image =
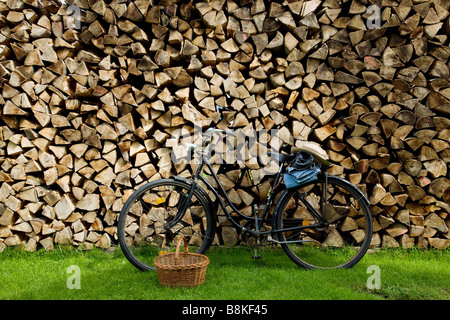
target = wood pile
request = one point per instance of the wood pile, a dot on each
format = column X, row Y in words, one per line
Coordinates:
column 95, row 95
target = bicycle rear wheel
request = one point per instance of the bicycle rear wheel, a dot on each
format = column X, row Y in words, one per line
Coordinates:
column 145, row 229
column 338, row 243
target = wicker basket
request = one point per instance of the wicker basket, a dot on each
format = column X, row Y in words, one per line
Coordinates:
column 181, row 270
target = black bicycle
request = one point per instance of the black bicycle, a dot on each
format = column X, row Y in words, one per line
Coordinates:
column 325, row 223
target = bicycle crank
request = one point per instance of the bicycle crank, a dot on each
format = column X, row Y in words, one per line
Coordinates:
column 250, row 239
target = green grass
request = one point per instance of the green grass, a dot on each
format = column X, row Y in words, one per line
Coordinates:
column 232, row 275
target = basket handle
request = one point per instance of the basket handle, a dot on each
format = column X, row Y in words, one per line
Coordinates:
column 177, row 252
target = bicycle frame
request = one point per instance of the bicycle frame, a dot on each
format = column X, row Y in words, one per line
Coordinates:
column 222, row 193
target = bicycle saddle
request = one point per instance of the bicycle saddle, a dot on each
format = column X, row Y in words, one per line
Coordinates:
column 302, row 160
column 280, row 157
column 325, row 163
column 319, row 154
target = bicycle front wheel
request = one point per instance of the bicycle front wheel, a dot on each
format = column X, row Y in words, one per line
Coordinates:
column 327, row 224
column 148, row 223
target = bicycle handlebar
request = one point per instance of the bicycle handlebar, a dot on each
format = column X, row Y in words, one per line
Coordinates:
column 208, row 137
column 281, row 157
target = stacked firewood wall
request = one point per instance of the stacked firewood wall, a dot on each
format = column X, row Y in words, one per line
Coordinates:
column 95, row 93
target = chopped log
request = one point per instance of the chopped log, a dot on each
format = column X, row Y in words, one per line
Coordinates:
column 89, row 113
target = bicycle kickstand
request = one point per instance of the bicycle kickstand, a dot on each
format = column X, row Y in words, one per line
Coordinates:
column 256, row 256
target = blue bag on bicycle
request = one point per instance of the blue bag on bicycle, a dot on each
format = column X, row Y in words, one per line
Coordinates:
column 302, row 170
column 293, row 177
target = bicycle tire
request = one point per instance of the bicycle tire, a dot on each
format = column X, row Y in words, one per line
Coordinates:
column 338, row 245
column 140, row 244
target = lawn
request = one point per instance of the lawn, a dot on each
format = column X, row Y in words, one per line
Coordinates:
column 232, row 275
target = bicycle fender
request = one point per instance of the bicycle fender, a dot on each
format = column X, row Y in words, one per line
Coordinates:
column 277, row 207
column 202, row 192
